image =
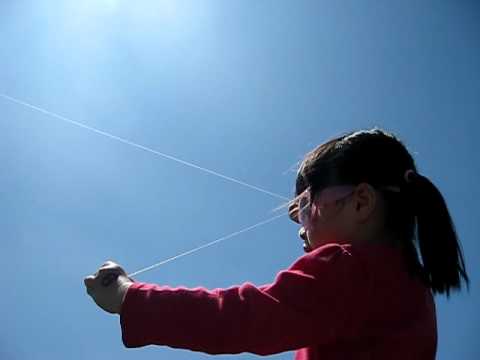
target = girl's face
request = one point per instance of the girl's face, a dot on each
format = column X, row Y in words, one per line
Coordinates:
column 324, row 218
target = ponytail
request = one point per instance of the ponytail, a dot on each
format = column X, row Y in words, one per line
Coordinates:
column 443, row 263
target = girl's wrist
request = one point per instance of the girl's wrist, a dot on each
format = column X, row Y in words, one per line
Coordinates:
column 123, row 289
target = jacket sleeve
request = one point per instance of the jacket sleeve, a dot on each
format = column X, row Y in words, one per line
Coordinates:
column 309, row 303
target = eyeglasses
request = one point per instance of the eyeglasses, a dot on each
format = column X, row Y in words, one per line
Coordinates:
column 304, row 202
column 300, row 210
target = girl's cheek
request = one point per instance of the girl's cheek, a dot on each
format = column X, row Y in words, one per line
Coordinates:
column 319, row 229
column 321, row 232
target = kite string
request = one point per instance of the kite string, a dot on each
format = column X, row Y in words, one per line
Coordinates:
column 131, row 143
column 186, row 163
column 223, row 238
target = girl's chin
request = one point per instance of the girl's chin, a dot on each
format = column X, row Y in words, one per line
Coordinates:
column 306, row 247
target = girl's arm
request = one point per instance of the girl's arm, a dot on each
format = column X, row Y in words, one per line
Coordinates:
column 313, row 302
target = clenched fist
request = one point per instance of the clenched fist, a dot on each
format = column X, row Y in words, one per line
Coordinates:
column 108, row 286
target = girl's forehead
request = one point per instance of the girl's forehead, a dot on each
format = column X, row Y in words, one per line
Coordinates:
column 300, row 184
column 321, row 180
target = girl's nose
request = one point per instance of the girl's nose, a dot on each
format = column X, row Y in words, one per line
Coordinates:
column 293, row 212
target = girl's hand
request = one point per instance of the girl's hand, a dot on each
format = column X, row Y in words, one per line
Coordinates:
column 108, row 286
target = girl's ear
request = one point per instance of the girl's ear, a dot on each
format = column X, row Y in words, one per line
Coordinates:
column 365, row 201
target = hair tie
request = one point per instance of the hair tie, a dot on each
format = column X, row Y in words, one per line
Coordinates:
column 409, row 175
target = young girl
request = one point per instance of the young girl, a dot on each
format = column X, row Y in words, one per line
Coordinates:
column 360, row 292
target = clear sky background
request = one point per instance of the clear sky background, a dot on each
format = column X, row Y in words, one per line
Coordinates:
column 244, row 88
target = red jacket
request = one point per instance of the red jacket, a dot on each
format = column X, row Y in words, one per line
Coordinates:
column 337, row 302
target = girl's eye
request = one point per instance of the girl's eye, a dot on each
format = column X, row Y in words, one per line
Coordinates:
column 303, row 207
column 302, row 203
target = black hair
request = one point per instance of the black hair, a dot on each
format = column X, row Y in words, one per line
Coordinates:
column 416, row 216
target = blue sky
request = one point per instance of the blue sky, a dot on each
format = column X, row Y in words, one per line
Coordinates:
column 244, row 88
